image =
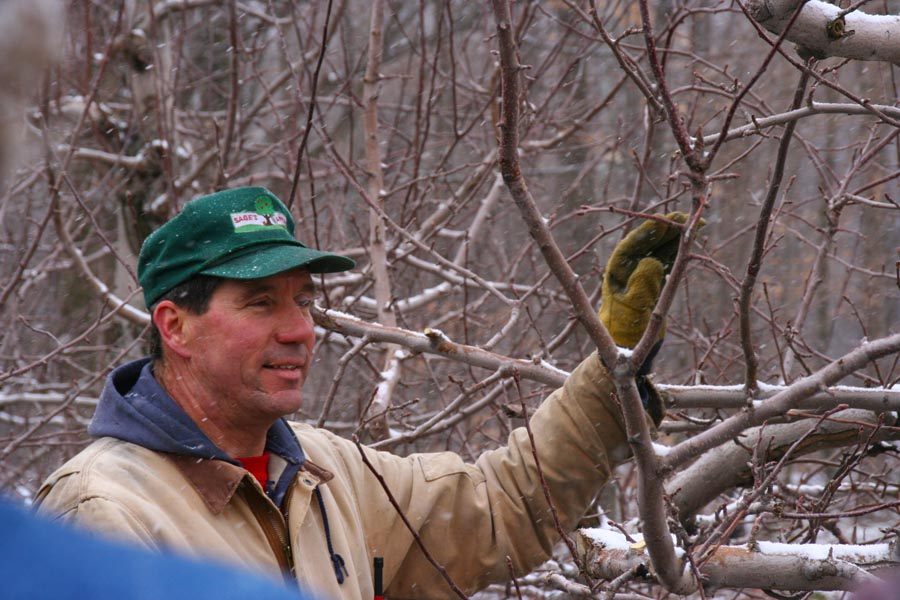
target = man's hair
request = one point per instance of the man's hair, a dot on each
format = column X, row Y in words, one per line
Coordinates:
column 192, row 295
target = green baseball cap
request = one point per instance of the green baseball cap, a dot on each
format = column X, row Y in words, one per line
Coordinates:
column 241, row 233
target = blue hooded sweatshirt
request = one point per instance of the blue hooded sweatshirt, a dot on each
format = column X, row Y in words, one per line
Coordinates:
column 133, row 407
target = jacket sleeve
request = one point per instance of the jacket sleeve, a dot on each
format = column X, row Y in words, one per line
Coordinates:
column 471, row 517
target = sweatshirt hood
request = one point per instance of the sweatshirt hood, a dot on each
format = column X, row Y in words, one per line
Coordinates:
column 133, row 407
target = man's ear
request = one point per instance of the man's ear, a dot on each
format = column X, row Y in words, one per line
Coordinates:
column 172, row 322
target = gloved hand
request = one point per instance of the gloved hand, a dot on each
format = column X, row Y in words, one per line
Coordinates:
column 634, row 278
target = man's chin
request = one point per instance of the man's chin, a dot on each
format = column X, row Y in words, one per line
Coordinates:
column 286, row 402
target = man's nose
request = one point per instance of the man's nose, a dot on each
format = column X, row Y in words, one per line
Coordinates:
column 296, row 326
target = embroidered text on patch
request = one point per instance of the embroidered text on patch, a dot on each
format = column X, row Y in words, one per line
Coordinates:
column 248, row 221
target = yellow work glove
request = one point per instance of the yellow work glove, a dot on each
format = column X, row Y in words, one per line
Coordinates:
column 634, row 278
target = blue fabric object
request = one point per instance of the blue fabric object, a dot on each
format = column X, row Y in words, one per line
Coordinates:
column 43, row 560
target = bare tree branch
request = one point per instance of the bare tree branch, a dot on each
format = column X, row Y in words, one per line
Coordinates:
column 825, row 30
column 781, row 402
column 767, row 565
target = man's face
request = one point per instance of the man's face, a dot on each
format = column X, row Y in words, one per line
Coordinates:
column 251, row 350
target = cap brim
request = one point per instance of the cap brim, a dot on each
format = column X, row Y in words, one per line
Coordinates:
column 270, row 259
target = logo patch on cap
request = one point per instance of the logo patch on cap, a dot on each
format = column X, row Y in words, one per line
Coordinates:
column 265, row 216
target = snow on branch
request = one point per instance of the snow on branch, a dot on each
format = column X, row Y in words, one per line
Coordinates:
column 796, row 567
column 825, row 30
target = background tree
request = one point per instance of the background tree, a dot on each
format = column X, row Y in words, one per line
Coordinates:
column 480, row 161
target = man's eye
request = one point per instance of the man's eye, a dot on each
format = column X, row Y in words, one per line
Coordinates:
column 260, row 302
column 306, row 302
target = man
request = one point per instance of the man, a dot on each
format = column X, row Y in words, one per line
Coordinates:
column 193, row 452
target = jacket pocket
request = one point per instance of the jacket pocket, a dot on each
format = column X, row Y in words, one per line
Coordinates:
column 445, row 464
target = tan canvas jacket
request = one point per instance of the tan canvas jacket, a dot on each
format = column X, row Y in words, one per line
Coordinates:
column 470, row 516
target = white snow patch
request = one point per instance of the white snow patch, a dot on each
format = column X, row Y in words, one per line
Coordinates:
column 611, row 540
column 391, row 372
column 625, row 352
column 544, row 364
column 855, row 553
column 433, row 332
column 184, row 151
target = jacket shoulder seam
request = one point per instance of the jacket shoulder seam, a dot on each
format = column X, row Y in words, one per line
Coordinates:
column 146, row 533
column 87, row 469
